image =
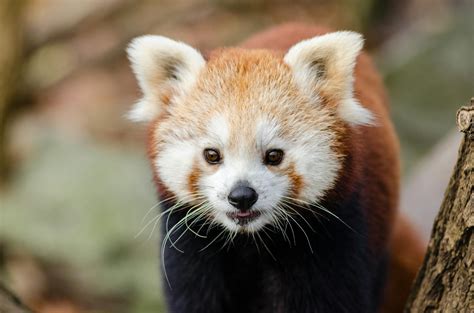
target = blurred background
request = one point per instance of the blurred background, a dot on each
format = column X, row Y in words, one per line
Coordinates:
column 75, row 185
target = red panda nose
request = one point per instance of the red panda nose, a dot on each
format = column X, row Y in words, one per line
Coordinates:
column 243, row 197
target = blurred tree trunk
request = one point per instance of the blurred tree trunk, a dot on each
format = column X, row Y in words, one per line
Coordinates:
column 9, row 303
column 445, row 282
column 11, row 43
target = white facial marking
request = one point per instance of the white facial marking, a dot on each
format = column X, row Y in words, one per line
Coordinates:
column 174, row 164
column 268, row 135
column 218, row 130
column 317, row 164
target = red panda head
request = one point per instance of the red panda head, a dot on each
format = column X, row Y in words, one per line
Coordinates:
column 243, row 136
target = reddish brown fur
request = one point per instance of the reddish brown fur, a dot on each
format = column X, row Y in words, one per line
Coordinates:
column 296, row 181
column 407, row 255
column 374, row 150
column 370, row 92
column 193, row 180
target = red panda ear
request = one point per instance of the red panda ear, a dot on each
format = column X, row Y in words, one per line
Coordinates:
column 165, row 69
column 323, row 66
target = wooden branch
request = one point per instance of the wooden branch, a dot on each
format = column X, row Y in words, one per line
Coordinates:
column 445, row 282
column 465, row 119
column 9, row 303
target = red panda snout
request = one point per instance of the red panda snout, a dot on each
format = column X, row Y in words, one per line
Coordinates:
column 242, row 197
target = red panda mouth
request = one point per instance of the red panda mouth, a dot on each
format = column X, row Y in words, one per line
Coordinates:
column 243, row 218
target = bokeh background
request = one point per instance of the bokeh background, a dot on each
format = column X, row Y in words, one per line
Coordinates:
column 75, row 184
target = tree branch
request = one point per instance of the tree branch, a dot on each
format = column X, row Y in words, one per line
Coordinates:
column 445, row 282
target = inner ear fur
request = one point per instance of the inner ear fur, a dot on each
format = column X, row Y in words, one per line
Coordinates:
column 165, row 69
column 323, row 68
column 318, row 67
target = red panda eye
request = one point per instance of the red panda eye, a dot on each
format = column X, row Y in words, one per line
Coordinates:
column 273, row 157
column 212, row 156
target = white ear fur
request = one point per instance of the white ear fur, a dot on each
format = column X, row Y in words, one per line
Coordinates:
column 163, row 68
column 326, row 64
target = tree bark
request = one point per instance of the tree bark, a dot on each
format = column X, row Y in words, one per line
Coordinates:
column 445, row 282
column 9, row 303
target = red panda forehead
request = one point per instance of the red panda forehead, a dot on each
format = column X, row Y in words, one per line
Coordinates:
column 243, row 82
column 246, row 88
column 254, row 85
column 235, row 69
column 245, row 60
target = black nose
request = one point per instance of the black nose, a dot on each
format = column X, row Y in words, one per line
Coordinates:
column 243, row 197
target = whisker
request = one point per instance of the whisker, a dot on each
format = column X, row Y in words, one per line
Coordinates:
column 304, row 233
column 157, row 204
column 170, row 212
column 335, row 216
column 285, row 214
column 299, row 214
column 178, row 206
column 266, row 247
column 280, row 225
column 210, row 243
column 229, row 239
column 156, row 218
column 319, row 206
column 193, row 211
column 149, row 211
column 182, row 222
column 204, row 209
column 256, row 242
column 153, row 229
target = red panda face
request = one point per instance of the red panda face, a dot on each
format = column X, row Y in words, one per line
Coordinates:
column 245, row 136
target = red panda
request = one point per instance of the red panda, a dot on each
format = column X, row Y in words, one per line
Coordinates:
column 278, row 170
